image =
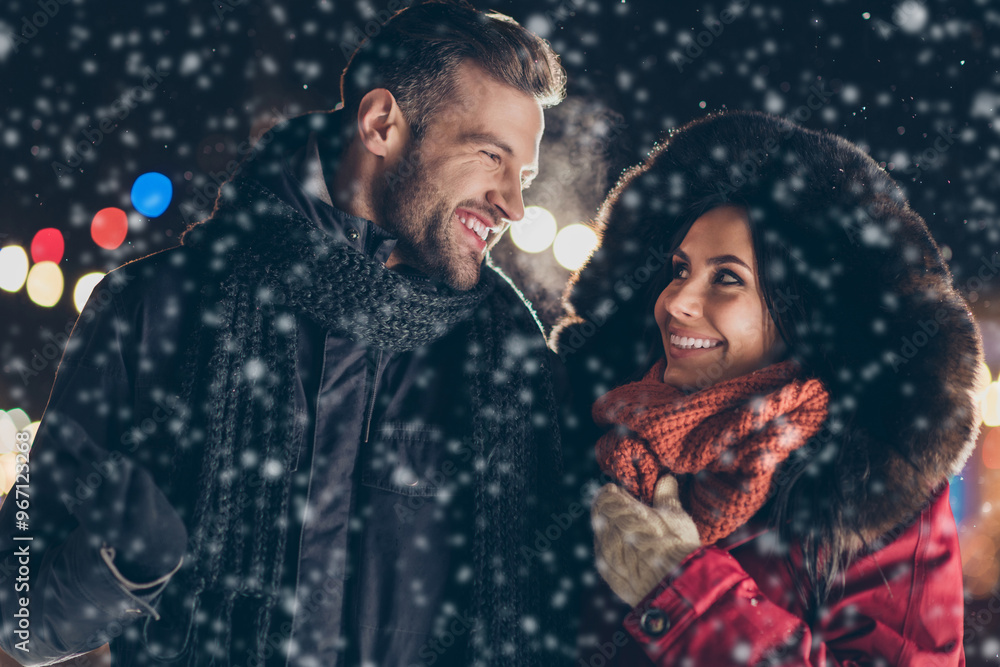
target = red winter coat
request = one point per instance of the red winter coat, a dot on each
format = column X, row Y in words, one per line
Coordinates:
column 736, row 604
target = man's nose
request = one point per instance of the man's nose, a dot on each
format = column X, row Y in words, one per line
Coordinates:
column 507, row 197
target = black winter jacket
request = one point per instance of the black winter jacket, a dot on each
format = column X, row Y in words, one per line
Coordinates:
column 379, row 563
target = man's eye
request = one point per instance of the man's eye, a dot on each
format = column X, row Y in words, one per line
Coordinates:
column 492, row 156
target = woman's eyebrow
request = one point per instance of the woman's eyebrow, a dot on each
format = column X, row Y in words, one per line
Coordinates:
column 728, row 259
column 721, row 259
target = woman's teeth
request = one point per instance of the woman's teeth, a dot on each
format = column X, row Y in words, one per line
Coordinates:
column 686, row 343
column 476, row 226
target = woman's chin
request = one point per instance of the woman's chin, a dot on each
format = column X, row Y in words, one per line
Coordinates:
column 685, row 382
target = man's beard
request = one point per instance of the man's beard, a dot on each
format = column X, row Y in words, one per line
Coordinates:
column 413, row 210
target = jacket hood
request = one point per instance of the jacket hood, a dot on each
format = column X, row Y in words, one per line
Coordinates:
column 883, row 327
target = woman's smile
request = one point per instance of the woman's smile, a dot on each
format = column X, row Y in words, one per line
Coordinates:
column 684, row 344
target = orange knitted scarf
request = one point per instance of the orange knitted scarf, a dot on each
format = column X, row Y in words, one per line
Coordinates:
column 730, row 438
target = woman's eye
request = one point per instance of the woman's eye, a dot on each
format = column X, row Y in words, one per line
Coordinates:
column 680, row 271
column 727, row 278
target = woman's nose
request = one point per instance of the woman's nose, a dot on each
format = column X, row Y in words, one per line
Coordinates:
column 685, row 302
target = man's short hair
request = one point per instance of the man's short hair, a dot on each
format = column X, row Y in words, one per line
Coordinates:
column 416, row 53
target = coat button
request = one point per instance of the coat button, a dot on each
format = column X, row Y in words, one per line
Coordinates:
column 353, row 234
column 654, row 622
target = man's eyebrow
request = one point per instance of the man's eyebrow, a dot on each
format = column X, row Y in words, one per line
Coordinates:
column 721, row 259
column 488, row 138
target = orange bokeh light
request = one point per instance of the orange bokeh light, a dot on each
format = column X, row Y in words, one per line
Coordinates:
column 991, row 449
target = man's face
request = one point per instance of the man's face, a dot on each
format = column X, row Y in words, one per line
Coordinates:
column 451, row 195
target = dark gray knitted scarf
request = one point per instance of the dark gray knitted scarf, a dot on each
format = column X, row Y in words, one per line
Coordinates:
column 264, row 263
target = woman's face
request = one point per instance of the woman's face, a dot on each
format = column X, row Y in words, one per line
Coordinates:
column 712, row 316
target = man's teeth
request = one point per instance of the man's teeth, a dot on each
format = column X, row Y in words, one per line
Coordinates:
column 686, row 343
column 476, row 226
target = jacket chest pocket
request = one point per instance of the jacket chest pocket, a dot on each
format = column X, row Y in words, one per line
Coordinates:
column 411, row 460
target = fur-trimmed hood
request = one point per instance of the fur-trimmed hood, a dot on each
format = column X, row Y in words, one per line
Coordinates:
column 891, row 339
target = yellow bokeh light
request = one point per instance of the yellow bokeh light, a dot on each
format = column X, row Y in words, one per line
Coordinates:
column 12, row 422
column 991, row 405
column 536, row 231
column 13, row 268
column 982, row 385
column 84, row 286
column 32, row 430
column 8, row 466
column 45, row 284
column 8, row 433
column 573, row 245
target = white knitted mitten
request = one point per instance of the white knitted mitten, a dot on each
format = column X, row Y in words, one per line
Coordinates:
column 637, row 545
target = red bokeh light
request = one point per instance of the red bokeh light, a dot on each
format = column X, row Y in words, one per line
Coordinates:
column 109, row 227
column 47, row 246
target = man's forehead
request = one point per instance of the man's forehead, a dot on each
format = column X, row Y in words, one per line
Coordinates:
column 506, row 122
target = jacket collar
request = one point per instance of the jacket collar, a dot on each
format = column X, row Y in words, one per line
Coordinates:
column 301, row 183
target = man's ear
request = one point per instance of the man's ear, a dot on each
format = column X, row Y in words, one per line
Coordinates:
column 381, row 126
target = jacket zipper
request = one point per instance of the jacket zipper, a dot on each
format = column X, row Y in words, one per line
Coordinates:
column 371, row 398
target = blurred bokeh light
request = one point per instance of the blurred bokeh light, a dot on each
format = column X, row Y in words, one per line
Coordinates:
column 45, row 284
column 13, row 268
column 109, row 227
column 151, row 194
column 84, row 286
column 536, row 231
column 573, row 245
